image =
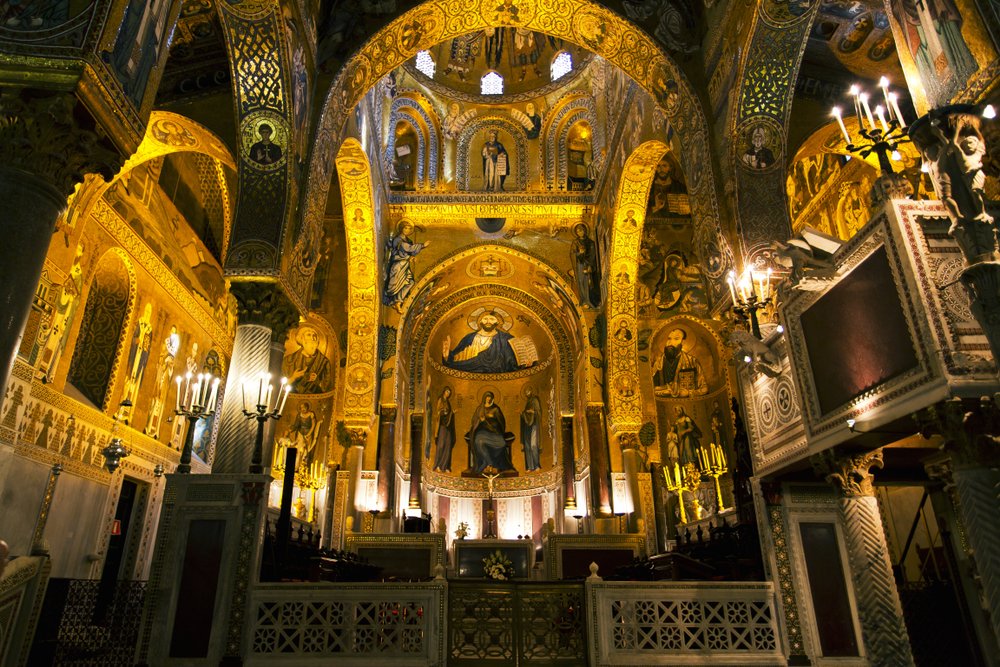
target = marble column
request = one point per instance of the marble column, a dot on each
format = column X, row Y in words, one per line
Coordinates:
column 416, row 460
column 600, row 463
column 386, row 456
column 880, row 612
column 632, row 461
column 265, row 316
column 568, row 463
column 971, row 431
column 44, row 153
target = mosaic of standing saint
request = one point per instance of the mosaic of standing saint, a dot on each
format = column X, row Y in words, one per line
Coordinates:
column 399, row 250
column 307, row 368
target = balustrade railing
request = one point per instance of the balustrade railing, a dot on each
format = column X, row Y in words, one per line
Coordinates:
column 374, row 624
column 677, row 623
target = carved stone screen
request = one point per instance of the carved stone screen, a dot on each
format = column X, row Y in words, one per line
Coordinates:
column 856, row 334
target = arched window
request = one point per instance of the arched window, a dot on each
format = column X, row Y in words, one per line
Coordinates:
column 425, row 64
column 104, row 320
column 562, row 64
column 491, row 83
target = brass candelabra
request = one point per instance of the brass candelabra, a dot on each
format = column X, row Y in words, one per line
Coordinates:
column 196, row 401
column 268, row 406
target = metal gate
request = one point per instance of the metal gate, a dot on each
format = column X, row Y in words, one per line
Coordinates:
column 516, row 624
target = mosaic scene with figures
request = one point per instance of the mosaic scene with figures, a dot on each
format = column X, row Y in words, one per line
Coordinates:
column 510, row 332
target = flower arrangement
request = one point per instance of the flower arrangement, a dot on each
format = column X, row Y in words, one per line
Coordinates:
column 497, row 566
column 462, row 531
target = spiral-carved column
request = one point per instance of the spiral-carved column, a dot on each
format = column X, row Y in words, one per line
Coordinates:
column 887, row 643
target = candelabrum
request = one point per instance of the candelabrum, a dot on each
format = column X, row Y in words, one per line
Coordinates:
column 196, row 401
column 883, row 137
column 750, row 294
column 714, row 465
column 311, row 477
column 268, row 406
column 681, row 479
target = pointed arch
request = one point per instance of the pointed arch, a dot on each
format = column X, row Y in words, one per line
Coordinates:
column 564, row 114
column 427, row 134
column 109, row 306
column 624, row 397
column 492, row 122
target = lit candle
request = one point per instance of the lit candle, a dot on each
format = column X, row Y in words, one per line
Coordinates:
column 750, row 284
column 840, row 122
column 187, row 387
column 770, row 272
column 195, row 393
column 856, row 92
column 893, row 104
column 270, row 389
column 215, row 394
column 260, row 390
column 731, row 279
column 243, row 391
column 285, row 391
column 178, row 393
column 880, row 112
column 677, row 472
column 883, row 83
column 868, row 110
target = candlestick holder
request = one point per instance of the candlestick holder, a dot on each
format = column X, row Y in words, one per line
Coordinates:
column 268, row 406
column 692, row 482
column 196, row 401
column 675, row 485
column 883, row 138
column 713, row 464
column 750, row 296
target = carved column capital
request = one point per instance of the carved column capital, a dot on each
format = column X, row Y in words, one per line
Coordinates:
column 264, row 303
column 970, row 428
column 357, row 437
column 628, row 440
column 46, row 135
column 849, row 473
column 387, row 413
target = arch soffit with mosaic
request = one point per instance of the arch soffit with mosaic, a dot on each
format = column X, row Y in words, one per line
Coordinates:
column 579, row 21
column 485, row 123
column 427, row 133
column 363, row 302
column 577, row 325
column 624, row 395
column 414, row 353
column 166, row 134
column 764, row 99
column 565, row 112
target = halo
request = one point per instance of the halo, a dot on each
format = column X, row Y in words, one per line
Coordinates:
column 506, row 321
column 487, row 388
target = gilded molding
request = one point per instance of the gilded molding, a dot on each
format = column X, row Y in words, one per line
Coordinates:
column 137, row 249
column 363, row 299
column 624, row 396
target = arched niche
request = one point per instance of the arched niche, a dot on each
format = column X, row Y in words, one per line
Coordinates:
column 470, row 158
column 564, row 115
column 520, row 369
column 414, row 112
column 110, row 300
